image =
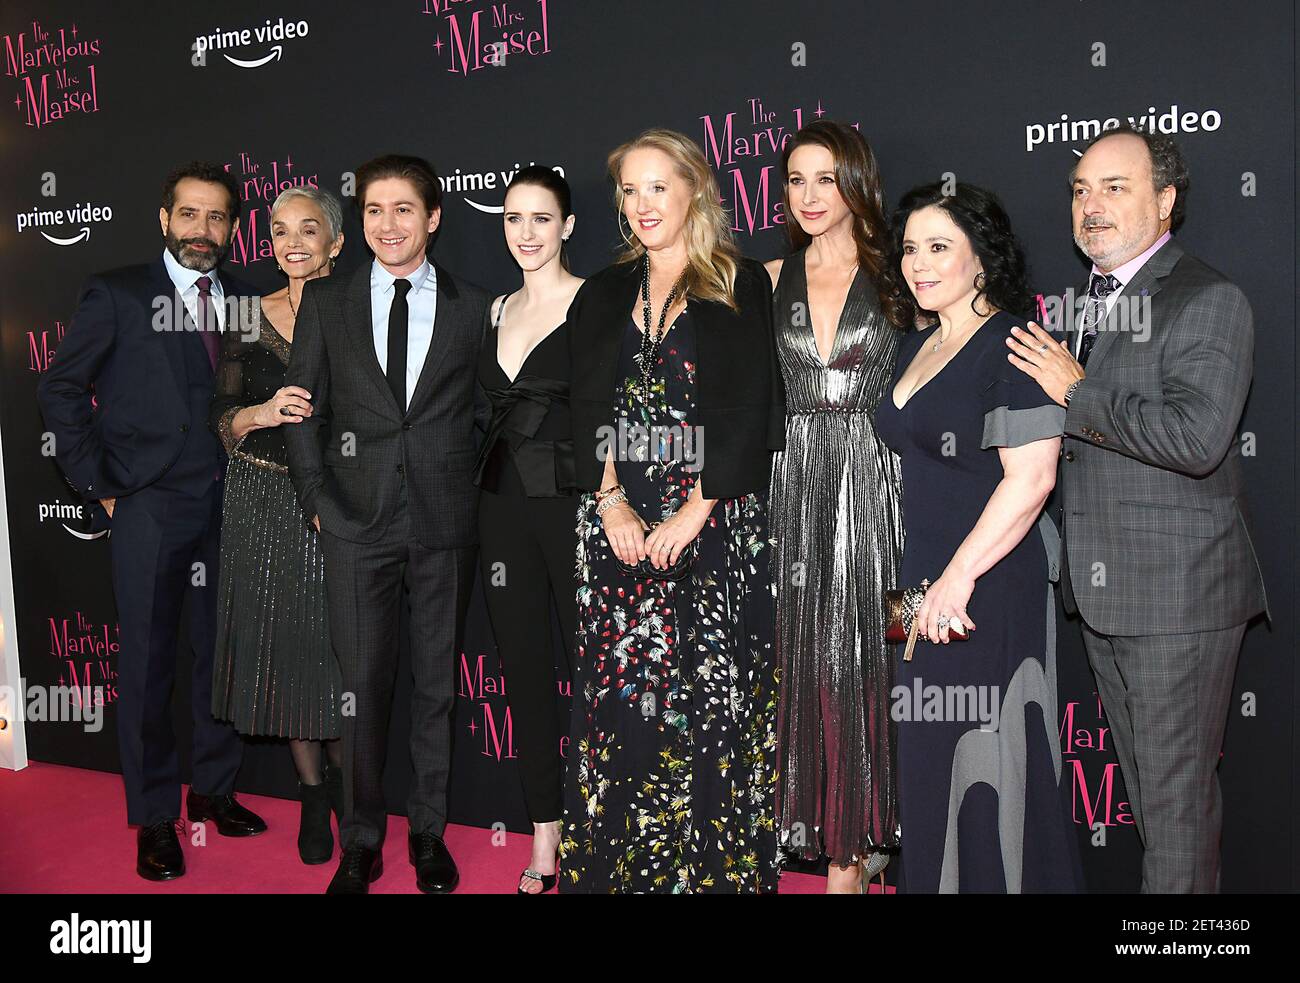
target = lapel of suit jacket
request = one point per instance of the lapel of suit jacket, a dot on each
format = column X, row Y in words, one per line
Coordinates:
column 613, row 311
column 1145, row 281
column 445, row 311
column 359, row 323
column 243, row 315
column 164, row 287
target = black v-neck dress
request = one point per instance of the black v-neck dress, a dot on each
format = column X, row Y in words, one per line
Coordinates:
column 527, row 540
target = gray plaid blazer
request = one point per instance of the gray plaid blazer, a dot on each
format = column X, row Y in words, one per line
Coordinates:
column 348, row 460
column 1156, row 532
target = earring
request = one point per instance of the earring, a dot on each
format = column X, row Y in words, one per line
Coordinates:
column 979, row 280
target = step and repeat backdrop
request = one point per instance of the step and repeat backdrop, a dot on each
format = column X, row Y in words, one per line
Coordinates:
column 100, row 101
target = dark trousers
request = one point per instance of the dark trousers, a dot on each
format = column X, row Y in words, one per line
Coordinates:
column 164, row 549
column 1166, row 700
column 527, row 549
column 364, row 584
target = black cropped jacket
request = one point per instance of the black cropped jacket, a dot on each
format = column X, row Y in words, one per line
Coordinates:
column 740, row 396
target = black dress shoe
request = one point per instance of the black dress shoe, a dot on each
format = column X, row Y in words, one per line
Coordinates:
column 358, row 868
column 158, row 854
column 231, row 818
column 435, row 871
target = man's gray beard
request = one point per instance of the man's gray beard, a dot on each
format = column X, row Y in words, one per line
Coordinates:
column 204, row 263
column 1125, row 251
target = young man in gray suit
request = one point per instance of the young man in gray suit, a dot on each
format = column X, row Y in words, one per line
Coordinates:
column 1157, row 556
column 383, row 462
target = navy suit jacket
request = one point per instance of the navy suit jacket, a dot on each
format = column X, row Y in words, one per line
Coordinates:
column 133, row 429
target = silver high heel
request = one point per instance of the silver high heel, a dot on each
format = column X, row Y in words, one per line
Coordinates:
column 875, row 867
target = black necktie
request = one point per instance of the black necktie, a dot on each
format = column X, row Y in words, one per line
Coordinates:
column 1100, row 286
column 398, row 316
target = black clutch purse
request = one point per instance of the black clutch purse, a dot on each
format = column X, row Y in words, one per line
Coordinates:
column 674, row 572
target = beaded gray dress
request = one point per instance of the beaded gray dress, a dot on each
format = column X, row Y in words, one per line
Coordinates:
column 836, row 518
column 275, row 674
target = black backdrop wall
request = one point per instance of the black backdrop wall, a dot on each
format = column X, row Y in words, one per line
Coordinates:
column 103, row 99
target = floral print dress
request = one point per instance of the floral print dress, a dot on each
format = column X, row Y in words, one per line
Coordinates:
column 671, row 784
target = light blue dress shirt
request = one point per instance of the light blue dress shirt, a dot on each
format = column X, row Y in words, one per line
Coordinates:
column 186, row 281
column 422, row 301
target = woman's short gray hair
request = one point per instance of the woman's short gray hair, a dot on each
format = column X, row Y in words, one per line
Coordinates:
column 324, row 200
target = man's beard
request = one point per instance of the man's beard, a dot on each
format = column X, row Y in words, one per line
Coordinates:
column 1117, row 253
column 193, row 259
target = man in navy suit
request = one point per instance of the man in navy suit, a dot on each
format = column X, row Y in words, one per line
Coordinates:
column 144, row 342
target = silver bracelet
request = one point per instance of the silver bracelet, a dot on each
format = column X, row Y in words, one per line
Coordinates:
column 609, row 501
column 1069, row 392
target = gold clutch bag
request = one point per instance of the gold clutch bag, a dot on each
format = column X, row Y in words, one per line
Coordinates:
column 901, row 606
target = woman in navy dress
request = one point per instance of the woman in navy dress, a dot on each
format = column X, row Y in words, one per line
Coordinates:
column 979, row 763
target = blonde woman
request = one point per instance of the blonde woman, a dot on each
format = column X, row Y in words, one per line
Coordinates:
column 677, row 404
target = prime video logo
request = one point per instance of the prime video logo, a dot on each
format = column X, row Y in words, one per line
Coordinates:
column 1066, row 130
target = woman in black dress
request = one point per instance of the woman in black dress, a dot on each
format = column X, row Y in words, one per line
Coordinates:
column 979, row 771
column 275, row 674
column 527, row 508
column 676, row 403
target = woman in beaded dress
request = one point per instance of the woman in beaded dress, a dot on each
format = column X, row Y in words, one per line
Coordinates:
column 275, row 674
column 835, row 513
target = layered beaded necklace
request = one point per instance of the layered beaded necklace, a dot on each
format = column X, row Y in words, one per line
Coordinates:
column 650, row 341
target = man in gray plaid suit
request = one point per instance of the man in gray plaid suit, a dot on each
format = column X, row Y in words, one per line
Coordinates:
column 1157, row 556
column 384, row 462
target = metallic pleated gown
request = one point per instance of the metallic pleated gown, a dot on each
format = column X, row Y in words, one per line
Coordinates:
column 836, row 519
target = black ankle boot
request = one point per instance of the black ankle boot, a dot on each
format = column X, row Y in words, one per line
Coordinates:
column 334, row 782
column 315, row 839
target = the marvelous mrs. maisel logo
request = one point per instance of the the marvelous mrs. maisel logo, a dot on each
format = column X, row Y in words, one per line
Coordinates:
column 745, row 149
column 475, row 34
column 54, row 71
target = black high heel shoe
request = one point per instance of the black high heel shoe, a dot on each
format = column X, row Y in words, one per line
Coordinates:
column 546, row 880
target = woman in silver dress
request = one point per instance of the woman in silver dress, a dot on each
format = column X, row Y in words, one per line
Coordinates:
column 835, row 512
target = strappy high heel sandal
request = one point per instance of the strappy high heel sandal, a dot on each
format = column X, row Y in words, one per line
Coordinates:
column 546, row 880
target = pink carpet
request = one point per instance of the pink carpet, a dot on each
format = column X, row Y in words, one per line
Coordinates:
column 63, row 831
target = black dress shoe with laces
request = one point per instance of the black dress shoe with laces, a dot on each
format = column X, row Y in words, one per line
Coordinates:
column 435, row 871
column 158, row 855
column 358, row 868
column 231, row 818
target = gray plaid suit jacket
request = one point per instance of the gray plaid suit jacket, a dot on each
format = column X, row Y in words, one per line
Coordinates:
column 1156, row 533
column 348, row 460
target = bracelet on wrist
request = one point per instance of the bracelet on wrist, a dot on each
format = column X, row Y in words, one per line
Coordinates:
column 609, row 501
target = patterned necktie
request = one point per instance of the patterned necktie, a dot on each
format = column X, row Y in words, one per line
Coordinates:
column 207, row 326
column 398, row 318
column 1100, row 286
